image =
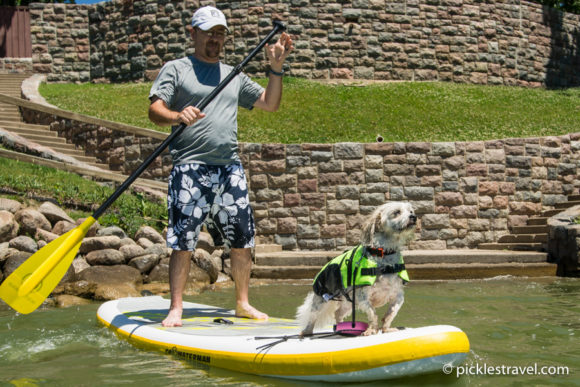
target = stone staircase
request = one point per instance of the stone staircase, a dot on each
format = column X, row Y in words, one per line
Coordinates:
column 534, row 235
column 11, row 120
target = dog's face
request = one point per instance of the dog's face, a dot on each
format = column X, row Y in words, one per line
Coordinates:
column 392, row 224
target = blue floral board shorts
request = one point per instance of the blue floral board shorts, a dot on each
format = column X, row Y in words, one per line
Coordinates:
column 214, row 194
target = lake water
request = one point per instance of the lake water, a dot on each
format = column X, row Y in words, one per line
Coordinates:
column 522, row 327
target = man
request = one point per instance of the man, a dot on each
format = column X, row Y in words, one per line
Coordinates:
column 207, row 181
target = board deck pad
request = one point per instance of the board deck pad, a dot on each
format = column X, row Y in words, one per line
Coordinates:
column 202, row 320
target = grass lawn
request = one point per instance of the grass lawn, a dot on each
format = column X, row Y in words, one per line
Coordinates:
column 315, row 112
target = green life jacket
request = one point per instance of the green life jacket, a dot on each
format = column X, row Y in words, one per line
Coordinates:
column 352, row 268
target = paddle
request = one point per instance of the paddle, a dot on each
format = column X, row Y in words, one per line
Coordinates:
column 31, row 283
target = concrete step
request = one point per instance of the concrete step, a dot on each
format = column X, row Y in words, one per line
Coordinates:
column 22, row 125
column 69, row 149
column 267, row 248
column 540, row 229
column 523, row 238
column 550, row 213
column 567, row 204
column 10, row 116
column 419, row 257
column 480, row 271
column 44, row 140
column 4, row 108
column 537, row 221
column 538, row 246
column 295, row 258
column 442, row 271
column 32, row 131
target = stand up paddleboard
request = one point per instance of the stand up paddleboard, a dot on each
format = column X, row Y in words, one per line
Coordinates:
column 212, row 336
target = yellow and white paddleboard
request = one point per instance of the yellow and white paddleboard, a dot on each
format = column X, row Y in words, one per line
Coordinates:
column 212, row 336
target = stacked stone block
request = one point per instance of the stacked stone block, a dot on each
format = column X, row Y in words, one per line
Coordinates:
column 60, row 41
column 130, row 40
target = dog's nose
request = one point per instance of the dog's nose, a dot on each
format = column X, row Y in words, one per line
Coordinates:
column 412, row 218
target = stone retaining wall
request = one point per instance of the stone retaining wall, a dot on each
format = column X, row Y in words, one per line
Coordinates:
column 501, row 42
column 316, row 196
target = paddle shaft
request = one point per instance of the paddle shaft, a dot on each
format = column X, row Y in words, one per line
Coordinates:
column 201, row 105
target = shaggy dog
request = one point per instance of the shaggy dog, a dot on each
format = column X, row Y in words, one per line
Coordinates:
column 390, row 227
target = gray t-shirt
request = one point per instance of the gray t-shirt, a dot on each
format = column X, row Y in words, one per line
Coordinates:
column 213, row 139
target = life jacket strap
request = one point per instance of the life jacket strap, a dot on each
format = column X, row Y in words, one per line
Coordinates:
column 388, row 269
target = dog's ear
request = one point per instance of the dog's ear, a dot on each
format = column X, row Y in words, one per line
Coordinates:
column 374, row 223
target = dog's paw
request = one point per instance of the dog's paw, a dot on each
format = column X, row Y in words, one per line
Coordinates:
column 370, row 331
column 305, row 333
column 388, row 330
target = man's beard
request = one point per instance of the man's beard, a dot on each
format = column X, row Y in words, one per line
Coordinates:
column 212, row 50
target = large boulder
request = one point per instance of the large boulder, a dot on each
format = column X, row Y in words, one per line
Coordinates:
column 46, row 236
column 24, row 243
column 100, row 243
column 160, row 273
column 4, row 250
column 112, row 230
column 131, row 251
column 112, row 275
column 8, row 226
column 106, row 257
column 205, row 242
column 62, row 227
column 81, row 288
column 30, row 219
column 54, row 213
column 144, row 263
column 145, row 243
column 197, row 279
column 92, row 230
column 10, row 205
column 79, row 264
column 66, row 300
column 150, row 233
column 106, row 292
column 204, row 260
column 14, row 259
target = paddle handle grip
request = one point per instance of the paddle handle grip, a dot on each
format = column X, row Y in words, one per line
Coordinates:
column 278, row 26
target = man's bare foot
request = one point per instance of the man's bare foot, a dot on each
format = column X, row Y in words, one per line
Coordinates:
column 248, row 311
column 173, row 319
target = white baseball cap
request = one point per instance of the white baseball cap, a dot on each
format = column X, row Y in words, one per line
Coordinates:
column 208, row 17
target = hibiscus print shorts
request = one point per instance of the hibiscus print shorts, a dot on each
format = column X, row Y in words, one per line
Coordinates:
column 214, row 194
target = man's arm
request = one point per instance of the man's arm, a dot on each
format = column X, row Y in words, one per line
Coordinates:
column 277, row 54
column 161, row 115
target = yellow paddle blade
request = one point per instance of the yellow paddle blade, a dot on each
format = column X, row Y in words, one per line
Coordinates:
column 29, row 285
